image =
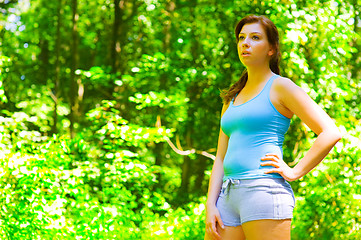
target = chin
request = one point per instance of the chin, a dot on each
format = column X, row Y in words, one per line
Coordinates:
column 247, row 62
column 250, row 63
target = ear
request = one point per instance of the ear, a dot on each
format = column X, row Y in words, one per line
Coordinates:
column 271, row 52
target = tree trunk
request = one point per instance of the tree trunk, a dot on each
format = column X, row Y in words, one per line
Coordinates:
column 44, row 58
column 44, row 46
column 198, row 186
column 55, row 94
column 115, row 47
column 74, row 65
column 186, row 169
column 159, row 149
column 192, row 91
column 158, row 152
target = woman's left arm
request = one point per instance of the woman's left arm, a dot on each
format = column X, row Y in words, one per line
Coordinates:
column 298, row 102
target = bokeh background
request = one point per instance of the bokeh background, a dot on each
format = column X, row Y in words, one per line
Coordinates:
column 110, row 112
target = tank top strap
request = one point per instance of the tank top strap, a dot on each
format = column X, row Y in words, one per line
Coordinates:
column 268, row 86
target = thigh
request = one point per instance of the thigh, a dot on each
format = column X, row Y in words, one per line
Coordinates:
column 268, row 229
column 232, row 233
column 229, row 233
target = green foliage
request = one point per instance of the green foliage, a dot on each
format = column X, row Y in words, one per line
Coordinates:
column 97, row 77
column 328, row 203
column 19, row 132
column 33, row 189
column 152, row 76
column 178, row 224
column 60, row 190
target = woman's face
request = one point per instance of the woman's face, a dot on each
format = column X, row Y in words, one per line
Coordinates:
column 253, row 46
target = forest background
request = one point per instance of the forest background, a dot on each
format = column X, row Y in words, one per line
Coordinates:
column 110, row 113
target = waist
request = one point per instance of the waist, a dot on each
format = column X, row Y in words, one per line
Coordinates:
column 245, row 163
column 248, row 152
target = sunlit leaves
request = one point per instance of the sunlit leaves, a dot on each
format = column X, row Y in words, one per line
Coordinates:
column 157, row 99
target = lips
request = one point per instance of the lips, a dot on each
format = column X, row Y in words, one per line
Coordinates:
column 246, row 53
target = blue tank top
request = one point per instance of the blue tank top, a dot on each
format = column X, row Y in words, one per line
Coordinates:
column 254, row 128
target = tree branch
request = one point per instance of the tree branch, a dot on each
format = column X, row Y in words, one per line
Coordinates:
column 188, row 152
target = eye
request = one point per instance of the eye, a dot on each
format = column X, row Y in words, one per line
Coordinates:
column 255, row 37
column 241, row 38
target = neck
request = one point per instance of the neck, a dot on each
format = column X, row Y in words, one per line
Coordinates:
column 258, row 74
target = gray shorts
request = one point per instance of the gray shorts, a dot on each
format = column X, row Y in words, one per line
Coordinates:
column 241, row 201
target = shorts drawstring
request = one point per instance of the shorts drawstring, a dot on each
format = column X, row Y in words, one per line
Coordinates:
column 226, row 186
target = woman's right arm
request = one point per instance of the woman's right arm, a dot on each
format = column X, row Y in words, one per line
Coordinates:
column 215, row 184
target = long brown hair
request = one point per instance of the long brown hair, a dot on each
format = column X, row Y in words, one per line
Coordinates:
column 273, row 38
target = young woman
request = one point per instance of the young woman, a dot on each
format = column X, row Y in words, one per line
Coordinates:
column 249, row 196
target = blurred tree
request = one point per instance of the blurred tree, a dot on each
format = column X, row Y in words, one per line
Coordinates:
column 75, row 83
column 55, row 92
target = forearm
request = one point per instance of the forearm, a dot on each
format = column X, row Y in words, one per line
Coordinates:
column 321, row 147
column 215, row 182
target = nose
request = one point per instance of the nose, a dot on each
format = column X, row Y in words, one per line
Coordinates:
column 244, row 43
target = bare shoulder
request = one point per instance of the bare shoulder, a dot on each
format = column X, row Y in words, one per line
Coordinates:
column 285, row 84
column 287, row 90
column 289, row 98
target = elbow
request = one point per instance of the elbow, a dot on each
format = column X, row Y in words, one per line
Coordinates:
column 332, row 134
column 335, row 135
column 339, row 137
